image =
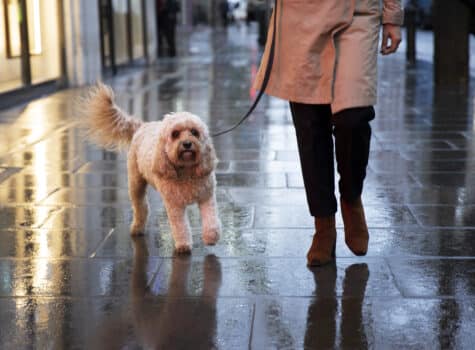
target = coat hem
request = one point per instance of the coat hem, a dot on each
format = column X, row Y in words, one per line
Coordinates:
column 313, row 100
column 336, row 106
column 341, row 105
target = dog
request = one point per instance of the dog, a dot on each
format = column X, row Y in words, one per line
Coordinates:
column 174, row 155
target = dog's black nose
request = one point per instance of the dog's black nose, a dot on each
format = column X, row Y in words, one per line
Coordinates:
column 187, row 144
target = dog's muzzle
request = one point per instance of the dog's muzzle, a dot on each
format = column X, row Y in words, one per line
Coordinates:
column 187, row 151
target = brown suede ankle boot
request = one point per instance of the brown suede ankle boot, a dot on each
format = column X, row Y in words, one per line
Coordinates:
column 356, row 230
column 322, row 250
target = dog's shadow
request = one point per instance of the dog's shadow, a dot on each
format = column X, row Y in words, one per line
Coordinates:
column 175, row 320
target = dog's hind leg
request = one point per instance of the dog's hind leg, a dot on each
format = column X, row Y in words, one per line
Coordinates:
column 180, row 227
column 137, row 194
column 210, row 220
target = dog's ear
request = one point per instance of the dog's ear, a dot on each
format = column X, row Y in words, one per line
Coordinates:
column 208, row 161
column 161, row 164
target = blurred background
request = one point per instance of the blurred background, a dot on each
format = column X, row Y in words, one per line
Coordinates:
column 46, row 44
column 51, row 44
column 72, row 278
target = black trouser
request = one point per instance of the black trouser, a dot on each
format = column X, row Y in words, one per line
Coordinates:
column 315, row 127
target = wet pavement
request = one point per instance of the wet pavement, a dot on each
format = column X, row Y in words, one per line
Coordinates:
column 71, row 277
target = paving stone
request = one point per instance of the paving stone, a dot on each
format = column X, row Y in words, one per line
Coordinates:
column 435, row 277
column 248, row 276
column 359, row 323
column 47, row 244
column 444, row 215
column 69, row 277
column 296, row 216
column 147, row 320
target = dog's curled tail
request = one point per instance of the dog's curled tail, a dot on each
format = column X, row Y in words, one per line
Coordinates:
column 105, row 123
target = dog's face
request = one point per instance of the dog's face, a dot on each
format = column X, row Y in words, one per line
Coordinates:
column 185, row 144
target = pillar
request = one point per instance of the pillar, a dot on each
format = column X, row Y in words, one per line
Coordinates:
column 451, row 42
column 150, row 18
column 82, row 41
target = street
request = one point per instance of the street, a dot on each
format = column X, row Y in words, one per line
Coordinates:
column 72, row 277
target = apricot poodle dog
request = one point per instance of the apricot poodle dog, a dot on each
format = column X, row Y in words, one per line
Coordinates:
column 175, row 156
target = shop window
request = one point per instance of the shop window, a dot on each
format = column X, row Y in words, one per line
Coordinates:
column 34, row 27
column 137, row 29
column 34, row 24
column 13, row 18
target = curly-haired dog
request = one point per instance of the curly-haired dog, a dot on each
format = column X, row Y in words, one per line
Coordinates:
column 175, row 156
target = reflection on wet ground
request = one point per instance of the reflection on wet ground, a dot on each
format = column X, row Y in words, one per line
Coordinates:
column 71, row 276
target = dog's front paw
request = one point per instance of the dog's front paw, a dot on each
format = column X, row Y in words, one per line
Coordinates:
column 137, row 230
column 211, row 236
column 182, row 248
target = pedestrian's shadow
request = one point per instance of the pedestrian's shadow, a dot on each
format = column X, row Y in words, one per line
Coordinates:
column 175, row 320
column 321, row 330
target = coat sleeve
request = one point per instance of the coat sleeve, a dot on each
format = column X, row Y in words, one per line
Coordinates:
column 393, row 12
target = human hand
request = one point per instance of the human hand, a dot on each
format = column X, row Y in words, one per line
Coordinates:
column 391, row 38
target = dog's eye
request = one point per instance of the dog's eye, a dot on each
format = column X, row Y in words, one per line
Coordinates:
column 175, row 134
column 195, row 133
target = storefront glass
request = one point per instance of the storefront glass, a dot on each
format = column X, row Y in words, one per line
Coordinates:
column 43, row 34
column 10, row 46
column 37, row 38
column 120, row 31
column 137, row 29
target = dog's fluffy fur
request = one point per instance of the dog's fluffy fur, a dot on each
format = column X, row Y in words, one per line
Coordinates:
column 175, row 156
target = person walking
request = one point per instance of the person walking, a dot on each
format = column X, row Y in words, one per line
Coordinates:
column 166, row 24
column 325, row 65
column 224, row 12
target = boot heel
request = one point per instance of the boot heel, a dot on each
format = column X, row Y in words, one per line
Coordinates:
column 322, row 250
column 356, row 230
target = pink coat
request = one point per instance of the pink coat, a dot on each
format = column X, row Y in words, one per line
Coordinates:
column 326, row 51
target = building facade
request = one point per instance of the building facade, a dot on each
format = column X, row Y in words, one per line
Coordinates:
column 49, row 44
